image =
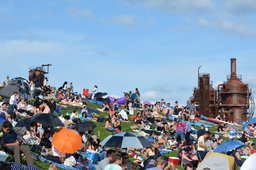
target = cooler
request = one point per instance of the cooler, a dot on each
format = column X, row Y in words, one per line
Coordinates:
column 174, row 160
column 92, row 156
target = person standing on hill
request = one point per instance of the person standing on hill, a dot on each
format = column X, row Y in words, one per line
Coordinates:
column 71, row 87
column 7, row 81
column 94, row 91
column 137, row 92
column 201, row 146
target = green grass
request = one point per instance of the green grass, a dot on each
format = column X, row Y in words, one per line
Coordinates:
column 104, row 133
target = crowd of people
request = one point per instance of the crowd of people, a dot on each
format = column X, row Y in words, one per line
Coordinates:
column 167, row 127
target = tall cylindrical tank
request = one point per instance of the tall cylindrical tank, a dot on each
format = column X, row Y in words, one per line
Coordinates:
column 204, row 94
column 234, row 96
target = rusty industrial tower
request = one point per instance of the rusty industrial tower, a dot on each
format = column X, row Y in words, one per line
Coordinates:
column 232, row 100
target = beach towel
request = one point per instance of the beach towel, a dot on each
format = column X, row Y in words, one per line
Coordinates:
column 94, row 102
column 54, row 163
column 199, row 124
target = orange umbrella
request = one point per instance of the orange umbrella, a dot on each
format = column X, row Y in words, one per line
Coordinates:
column 67, row 141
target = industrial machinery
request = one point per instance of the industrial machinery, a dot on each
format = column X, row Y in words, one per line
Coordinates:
column 37, row 74
column 232, row 100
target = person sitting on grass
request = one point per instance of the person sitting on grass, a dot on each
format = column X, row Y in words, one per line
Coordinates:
column 14, row 165
column 108, row 126
column 173, row 143
column 10, row 141
column 126, row 164
column 162, row 141
column 117, row 125
column 103, row 163
column 117, row 161
column 161, row 163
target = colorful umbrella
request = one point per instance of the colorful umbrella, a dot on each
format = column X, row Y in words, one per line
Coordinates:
column 126, row 140
column 47, row 119
column 147, row 102
column 85, row 126
column 67, row 140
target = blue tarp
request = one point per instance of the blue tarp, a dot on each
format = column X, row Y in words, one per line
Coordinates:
column 92, row 110
column 94, row 102
column 199, row 124
column 229, row 146
column 252, row 121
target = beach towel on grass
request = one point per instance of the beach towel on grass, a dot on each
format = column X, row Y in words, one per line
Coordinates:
column 199, row 124
column 56, row 164
column 94, row 102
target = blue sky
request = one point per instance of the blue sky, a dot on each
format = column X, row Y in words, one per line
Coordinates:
column 155, row 45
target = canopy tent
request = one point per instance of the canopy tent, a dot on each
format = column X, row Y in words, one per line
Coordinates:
column 19, row 85
column 249, row 163
column 217, row 161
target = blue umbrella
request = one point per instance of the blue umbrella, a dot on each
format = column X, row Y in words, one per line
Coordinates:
column 252, row 121
column 228, row 146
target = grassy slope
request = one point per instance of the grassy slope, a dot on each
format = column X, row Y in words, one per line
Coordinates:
column 104, row 133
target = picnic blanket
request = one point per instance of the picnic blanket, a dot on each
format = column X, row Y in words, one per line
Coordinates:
column 94, row 101
column 199, row 124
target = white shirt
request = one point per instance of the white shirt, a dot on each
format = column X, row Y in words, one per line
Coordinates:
column 45, row 82
column 65, row 87
column 95, row 90
column 13, row 99
column 73, row 115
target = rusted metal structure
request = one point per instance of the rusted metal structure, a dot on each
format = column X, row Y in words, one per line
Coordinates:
column 205, row 96
column 234, row 96
column 233, row 99
column 37, row 74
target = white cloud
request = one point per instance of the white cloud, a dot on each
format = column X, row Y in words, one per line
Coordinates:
column 251, row 81
column 150, row 95
column 151, row 22
column 175, row 6
column 235, row 28
column 241, row 6
column 124, row 20
column 204, row 22
column 181, row 28
column 229, row 26
column 14, row 48
column 80, row 12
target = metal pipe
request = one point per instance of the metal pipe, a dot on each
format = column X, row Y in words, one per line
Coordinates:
column 198, row 75
column 233, row 68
